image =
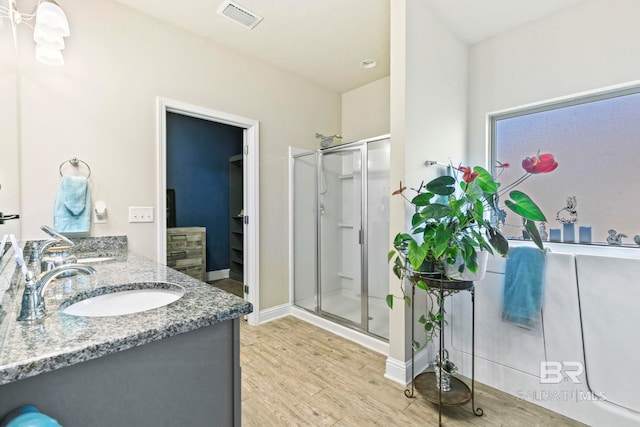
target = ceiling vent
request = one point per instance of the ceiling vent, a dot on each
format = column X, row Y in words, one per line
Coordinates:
column 239, row 14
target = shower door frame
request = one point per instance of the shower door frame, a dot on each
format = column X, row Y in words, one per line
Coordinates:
column 363, row 326
column 292, row 227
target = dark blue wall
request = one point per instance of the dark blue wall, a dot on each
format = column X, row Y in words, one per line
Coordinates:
column 198, row 154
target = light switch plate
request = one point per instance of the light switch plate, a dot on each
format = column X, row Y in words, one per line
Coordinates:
column 140, row 214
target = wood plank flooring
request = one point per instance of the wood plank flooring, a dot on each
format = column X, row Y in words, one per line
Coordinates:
column 230, row 285
column 295, row 374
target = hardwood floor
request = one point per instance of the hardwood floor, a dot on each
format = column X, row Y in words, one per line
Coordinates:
column 294, row 374
column 229, row 285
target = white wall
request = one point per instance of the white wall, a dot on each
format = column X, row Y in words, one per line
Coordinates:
column 101, row 107
column 365, row 111
column 399, row 350
column 9, row 164
column 589, row 46
column 437, row 68
column 428, row 118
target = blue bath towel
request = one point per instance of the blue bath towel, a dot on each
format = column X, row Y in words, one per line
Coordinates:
column 523, row 286
column 72, row 208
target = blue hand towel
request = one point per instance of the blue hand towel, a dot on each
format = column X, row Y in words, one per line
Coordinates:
column 27, row 416
column 72, row 208
column 523, row 286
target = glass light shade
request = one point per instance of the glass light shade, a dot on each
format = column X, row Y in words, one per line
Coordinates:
column 49, row 56
column 52, row 18
column 42, row 36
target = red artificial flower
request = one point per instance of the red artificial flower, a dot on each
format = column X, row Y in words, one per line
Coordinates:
column 540, row 163
column 468, row 175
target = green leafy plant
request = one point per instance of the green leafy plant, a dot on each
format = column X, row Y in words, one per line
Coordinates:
column 454, row 219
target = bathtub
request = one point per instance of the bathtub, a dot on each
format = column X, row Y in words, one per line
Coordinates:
column 582, row 358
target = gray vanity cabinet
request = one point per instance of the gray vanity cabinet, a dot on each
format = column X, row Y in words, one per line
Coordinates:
column 190, row 379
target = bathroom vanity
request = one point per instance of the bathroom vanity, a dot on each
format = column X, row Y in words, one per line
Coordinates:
column 173, row 365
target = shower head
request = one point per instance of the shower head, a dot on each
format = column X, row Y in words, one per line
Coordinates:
column 326, row 141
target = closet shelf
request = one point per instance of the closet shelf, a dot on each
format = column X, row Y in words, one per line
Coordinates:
column 236, row 218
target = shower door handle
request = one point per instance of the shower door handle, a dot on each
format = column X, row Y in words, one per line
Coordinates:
column 361, row 237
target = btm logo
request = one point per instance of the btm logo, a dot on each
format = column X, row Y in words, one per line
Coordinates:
column 552, row 372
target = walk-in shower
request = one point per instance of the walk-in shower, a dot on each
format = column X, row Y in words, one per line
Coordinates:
column 340, row 209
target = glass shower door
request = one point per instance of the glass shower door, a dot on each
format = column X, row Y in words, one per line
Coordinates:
column 305, row 235
column 377, row 236
column 340, row 209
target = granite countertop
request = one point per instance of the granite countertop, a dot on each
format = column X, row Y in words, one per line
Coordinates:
column 59, row 340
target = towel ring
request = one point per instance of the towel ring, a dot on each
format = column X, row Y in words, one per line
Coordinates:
column 75, row 162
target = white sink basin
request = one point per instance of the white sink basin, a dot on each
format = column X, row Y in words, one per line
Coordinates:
column 126, row 301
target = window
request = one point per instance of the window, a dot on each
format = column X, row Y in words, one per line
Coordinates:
column 596, row 142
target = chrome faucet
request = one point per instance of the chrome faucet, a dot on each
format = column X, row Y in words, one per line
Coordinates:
column 43, row 247
column 54, row 252
column 55, row 239
column 33, row 297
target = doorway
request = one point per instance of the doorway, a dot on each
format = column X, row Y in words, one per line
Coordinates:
column 249, row 219
column 203, row 179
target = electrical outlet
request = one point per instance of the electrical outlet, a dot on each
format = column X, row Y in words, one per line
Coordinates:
column 140, row 214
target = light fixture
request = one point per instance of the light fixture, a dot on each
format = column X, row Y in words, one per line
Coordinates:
column 51, row 26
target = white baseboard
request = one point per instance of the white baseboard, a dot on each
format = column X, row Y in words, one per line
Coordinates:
column 217, row 274
column 397, row 371
column 365, row 340
column 273, row 313
column 400, row 372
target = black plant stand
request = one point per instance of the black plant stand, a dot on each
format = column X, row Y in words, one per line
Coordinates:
column 426, row 382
